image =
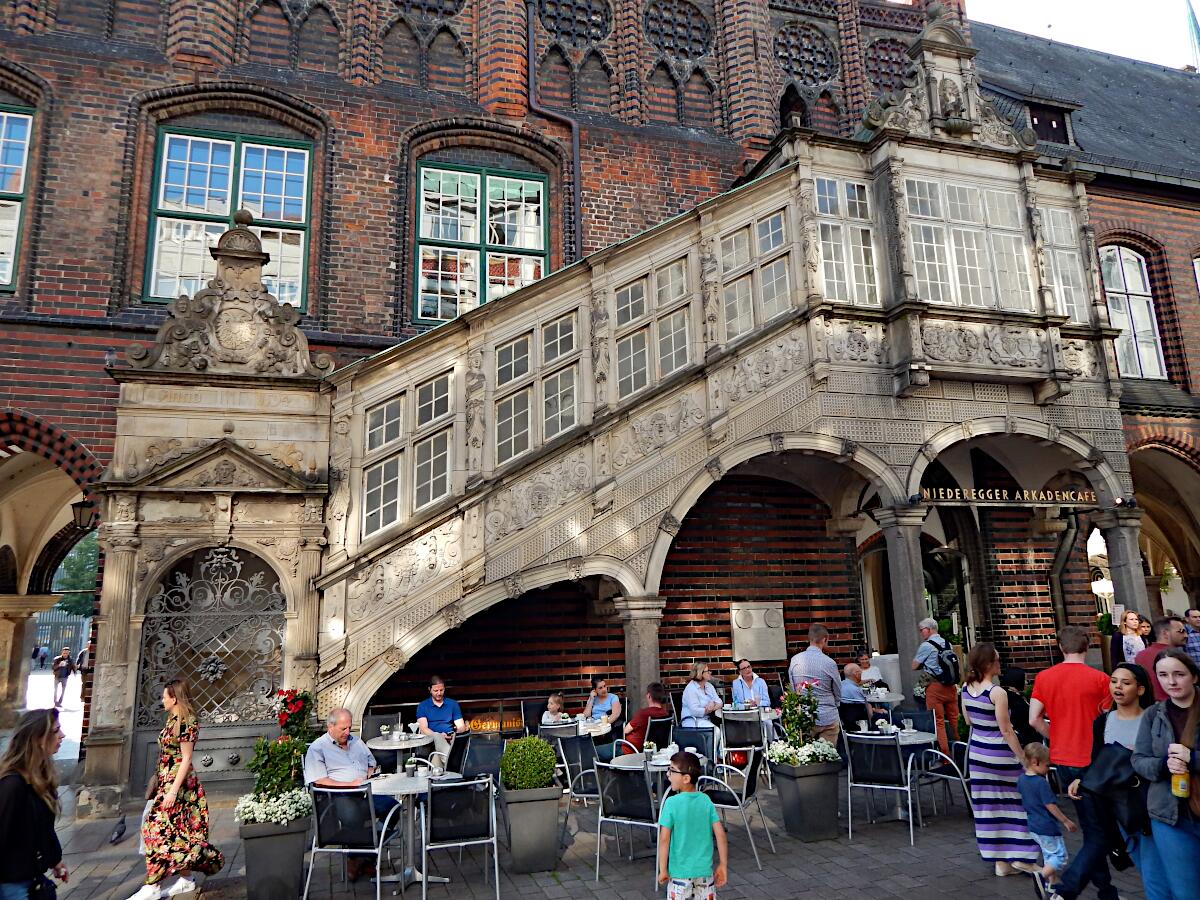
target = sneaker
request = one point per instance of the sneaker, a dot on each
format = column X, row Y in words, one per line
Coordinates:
column 182, row 886
column 148, row 892
column 1040, row 887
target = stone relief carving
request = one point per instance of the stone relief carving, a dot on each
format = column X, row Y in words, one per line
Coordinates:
column 950, row 343
column 395, row 658
column 710, row 289
column 855, row 341
column 1079, row 357
column 670, row 524
column 600, row 356
column 655, row 430
column 453, row 615
column 527, row 501
column 951, row 98
column 158, row 453
column 765, row 367
column 476, row 426
column 809, row 235
column 287, row 551
column 152, row 552
column 405, row 570
column 513, row 587
column 234, row 325
column 223, row 473
column 1012, row 345
column 124, row 509
column 907, row 110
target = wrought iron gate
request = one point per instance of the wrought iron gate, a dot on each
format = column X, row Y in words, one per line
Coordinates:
column 216, row 620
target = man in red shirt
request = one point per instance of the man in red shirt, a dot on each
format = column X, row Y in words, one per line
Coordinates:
column 1169, row 631
column 1071, row 695
column 655, row 708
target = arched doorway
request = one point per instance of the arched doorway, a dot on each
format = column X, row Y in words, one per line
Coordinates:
column 1166, row 483
column 216, row 619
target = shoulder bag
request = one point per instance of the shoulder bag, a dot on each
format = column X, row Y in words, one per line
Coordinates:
column 1111, row 778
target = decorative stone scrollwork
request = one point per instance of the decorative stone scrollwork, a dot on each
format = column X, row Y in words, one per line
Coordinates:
column 513, row 587
column 950, row 343
column 224, row 473
column 655, row 430
column 714, row 468
column 476, row 426
column 1012, row 345
column 670, row 524
column 710, row 288
column 528, row 501
column 600, row 356
column 855, row 341
column 677, row 28
column 766, row 367
column 576, row 23
column 405, row 570
column 234, row 325
column 1079, row 358
column 776, row 439
column 453, row 615
column 395, row 658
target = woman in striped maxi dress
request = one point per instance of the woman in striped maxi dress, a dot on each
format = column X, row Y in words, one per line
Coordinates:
column 994, row 763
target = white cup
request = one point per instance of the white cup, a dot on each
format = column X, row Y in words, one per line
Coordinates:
column 862, row 725
column 691, row 750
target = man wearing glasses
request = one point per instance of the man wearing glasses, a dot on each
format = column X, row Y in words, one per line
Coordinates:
column 748, row 688
column 1168, row 632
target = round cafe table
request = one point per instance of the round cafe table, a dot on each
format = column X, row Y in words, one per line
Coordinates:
column 888, row 699
column 769, row 715
column 406, row 788
column 398, row 743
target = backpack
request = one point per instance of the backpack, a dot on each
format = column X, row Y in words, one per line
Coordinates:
column 948, row 660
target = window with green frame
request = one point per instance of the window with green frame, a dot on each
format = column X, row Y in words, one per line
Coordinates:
column 16, row 126
column 481, row 234
column 201, row 179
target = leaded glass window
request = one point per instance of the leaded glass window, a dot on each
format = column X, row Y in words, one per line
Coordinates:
column 1131, row 308
column 201, row 180
column 847, row 242
column 481, row 235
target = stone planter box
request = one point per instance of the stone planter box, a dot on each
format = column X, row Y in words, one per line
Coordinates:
column 533, row 826
column 275, row 859
column 809, row 798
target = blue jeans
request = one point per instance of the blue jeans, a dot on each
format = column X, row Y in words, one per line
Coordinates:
column 1090, row 865
column 15, row 890
column 1150, row 867
column 1179, row 846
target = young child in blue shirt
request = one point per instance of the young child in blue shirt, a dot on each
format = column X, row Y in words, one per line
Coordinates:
column 688, row 824
column 1041, row 809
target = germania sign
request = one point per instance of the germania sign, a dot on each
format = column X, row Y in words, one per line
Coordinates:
column 1005, row 497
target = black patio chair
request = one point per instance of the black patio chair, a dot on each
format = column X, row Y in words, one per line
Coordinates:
column 346, row 825
column 625, row 799
column 660, row 732
column 389, row 760
column 724, row 793
column 531, row 714
column 878, row 764
column 453, row 761
column 579, row 756
column 460, row 814
column 703, row 739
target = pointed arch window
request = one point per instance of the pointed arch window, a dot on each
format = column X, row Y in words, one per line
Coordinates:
column 1131, row 308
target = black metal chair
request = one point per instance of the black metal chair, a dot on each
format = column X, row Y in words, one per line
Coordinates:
column 851, row 714
column 531, row 714
column 482, row 757
column 625, row 799
column 460, row 814
column 453, row 761
column 579, row 756
column 725, row 795
column 389, row 760
column 922, row 719
column 703, row 739
column 776, row 692
column 676, row 705
column 877, row 763
column 346, row 825
column 935, row 767
column 660, row 731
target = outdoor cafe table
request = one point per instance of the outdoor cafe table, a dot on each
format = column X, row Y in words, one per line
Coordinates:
column 769, row 715
column 406, row 788
column 593, row 729
column 888, row 699
column 403, row 745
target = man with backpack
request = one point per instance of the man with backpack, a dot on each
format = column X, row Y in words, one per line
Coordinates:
column 937, row 657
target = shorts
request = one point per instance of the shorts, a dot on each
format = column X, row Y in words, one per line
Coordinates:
column 1054, row 850
column 691, row 889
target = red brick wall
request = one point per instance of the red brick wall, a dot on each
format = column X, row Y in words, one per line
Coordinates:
column 544, row 641
column 1166, row 230
column 752, row 538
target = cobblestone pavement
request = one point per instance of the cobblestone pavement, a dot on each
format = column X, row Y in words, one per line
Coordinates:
column 878, row 863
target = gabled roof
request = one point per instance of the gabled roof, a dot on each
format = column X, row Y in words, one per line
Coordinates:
column 1134, row 115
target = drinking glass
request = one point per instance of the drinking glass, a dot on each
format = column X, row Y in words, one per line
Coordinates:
column 862, row 725
column 907, row 723
column 414, row 727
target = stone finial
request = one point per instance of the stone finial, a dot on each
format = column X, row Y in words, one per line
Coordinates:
column 233, row 326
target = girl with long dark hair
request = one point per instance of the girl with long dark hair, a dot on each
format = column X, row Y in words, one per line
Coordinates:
column 28, row 807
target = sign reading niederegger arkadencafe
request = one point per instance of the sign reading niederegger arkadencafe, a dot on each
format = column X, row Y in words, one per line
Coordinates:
column 1006, row 497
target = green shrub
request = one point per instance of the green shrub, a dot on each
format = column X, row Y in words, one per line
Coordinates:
column 278, row 765
column 527, row 764
column 1104, row 624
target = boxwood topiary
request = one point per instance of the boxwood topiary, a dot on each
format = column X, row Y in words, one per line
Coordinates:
column 527, row 764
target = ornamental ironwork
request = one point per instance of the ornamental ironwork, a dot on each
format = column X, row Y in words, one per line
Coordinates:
column 217, row 621
column 678, row 28
column 806, row 54
column 576, row 22
column 887, row 64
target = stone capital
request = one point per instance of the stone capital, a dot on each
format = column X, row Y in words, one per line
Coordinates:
column 1117, row 517
column 888, row 517
column 630, row 609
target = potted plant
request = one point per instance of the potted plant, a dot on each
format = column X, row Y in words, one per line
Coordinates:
column 806, row 770
column 531, row 800
column 275, row 818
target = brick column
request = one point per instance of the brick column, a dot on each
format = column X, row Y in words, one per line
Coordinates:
column 502, row 69
column 640, row 617
column 745, row 48
column 854, row 69
column 1121, row 528
column 901, row 527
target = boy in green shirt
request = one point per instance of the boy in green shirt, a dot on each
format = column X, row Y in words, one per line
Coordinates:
column 687, row 824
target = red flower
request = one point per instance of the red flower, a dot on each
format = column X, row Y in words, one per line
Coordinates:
column 294, row 707
column 282, row 719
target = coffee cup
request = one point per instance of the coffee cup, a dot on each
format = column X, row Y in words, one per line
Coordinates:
column 691, row 750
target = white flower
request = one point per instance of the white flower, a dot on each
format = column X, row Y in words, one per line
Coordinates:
column 819, row 751
column 882, row 725
column 281, row 809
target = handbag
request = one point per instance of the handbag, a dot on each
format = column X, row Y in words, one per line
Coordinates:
column 1112, row 780
column 152, row 787
column 42, row 888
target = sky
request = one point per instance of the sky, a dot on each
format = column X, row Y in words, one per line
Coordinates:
column 1157, row 32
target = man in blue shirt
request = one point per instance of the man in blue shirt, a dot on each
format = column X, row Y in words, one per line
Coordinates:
column 1192, row 623
column 439, row 717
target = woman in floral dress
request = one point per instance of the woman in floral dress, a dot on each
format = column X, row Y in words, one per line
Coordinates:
column 175, row 831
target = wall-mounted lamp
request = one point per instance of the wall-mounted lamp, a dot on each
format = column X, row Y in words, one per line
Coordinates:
column 81, row 513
